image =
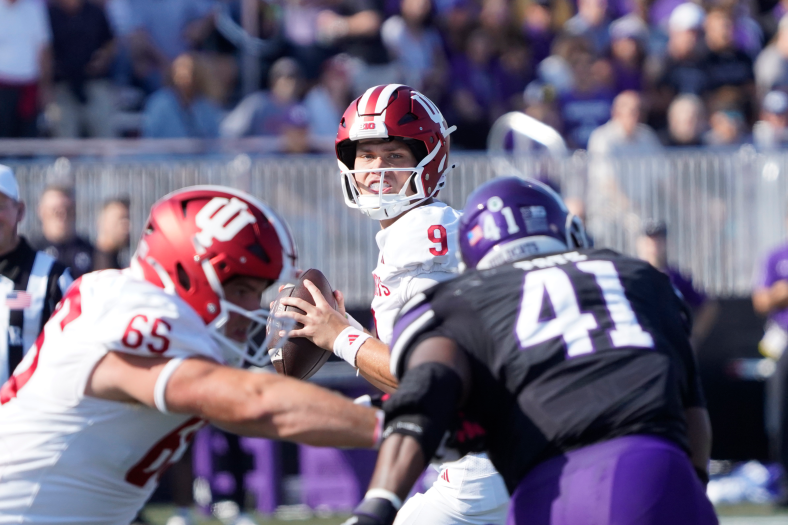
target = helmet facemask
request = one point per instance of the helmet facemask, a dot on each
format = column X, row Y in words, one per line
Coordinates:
column 382, row 205
column 255, row 348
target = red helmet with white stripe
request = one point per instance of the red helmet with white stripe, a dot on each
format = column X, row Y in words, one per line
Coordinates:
column 394, row 112
column 198, row 238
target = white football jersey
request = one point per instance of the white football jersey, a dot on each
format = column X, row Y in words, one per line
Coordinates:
column 416, row 252
column 68, row 458
column 419, row 250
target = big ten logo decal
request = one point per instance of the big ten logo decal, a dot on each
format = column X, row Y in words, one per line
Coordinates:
column 380, row 289
column 367, row 125
column 153, row 333
column 222, row 219
column 164, row 453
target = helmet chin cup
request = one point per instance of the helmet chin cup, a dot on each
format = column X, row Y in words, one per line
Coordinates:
column 384, row 206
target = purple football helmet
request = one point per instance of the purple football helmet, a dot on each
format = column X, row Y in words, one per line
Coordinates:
column 508, row 219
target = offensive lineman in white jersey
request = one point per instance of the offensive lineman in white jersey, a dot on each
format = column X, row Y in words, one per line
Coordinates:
column 396, row 128
column 134, row 362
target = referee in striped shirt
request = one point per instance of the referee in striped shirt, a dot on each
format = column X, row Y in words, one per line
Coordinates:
column 31, row 283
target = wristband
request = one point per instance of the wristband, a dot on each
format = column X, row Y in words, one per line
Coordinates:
column 353, row 322
column 160, row 386
column 348, row 342
column 384, row 494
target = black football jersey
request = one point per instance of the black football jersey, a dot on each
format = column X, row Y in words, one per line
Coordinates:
column 566, row 350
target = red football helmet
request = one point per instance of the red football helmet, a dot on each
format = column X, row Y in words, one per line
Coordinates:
column 396, row 112
column 198, row 238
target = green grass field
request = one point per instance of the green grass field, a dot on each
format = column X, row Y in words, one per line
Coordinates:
column 729, row 515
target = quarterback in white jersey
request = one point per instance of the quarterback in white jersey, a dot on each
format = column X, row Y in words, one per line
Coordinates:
column 132, row 363
column 393, row 153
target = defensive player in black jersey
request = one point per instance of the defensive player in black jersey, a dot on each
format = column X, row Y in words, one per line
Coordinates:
column 571, row 367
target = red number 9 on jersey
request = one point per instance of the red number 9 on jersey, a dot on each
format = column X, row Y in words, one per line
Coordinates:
column 437, row 234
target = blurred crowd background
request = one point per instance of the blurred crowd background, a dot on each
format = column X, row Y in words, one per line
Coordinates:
column 605, row 73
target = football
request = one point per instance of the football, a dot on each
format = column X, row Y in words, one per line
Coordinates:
column 299, row 357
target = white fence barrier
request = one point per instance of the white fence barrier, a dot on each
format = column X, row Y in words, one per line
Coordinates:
column 723, row 209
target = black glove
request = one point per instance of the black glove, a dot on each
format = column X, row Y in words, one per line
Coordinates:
column 373, row 511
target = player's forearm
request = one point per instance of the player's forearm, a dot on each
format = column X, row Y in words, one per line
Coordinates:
column 268, row 405
column 400, row 463
column 373, row 362
column 311, row 415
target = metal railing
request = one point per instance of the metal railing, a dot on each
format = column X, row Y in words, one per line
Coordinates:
column 723, row 209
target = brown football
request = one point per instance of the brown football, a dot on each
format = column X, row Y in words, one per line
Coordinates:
column 299, row 357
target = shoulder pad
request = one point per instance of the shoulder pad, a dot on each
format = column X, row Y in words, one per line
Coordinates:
column 424, row 237
column 142, row 319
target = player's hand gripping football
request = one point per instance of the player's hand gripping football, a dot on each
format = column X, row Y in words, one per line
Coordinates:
column 322, row 324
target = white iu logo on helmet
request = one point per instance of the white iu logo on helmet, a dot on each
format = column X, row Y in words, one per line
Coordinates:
column 222, row 219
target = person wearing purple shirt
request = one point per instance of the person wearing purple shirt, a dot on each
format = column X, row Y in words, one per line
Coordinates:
column 538, row 29
column 652, row 247
column 770, row 298
column 587, row 105
column 628, row 36
column 473, row 91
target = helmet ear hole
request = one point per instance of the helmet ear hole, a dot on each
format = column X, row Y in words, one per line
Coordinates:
column 183, row 277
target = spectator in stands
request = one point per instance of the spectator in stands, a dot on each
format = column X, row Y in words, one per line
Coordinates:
column 353, row 27
column 624, row 133
column 57, row 212
column 83, row 49
column 113, row 234
column 771, row 131
column 771, row 67
column 512, row 73
column 680, row 71
column 725, row 64
column 587, row 105
column 414, row 42
column 456, row 21
column 652, row 247
column 182, row 110
column 326, row 101
column 770, row 299
column 296, row 136
column 472, row 92
column 25, row 66
column 726, row 128
column 628, row 36
column 264, row 112
column 686, row 122
column 538, row 28
column 163, row 30
column 592, row 23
